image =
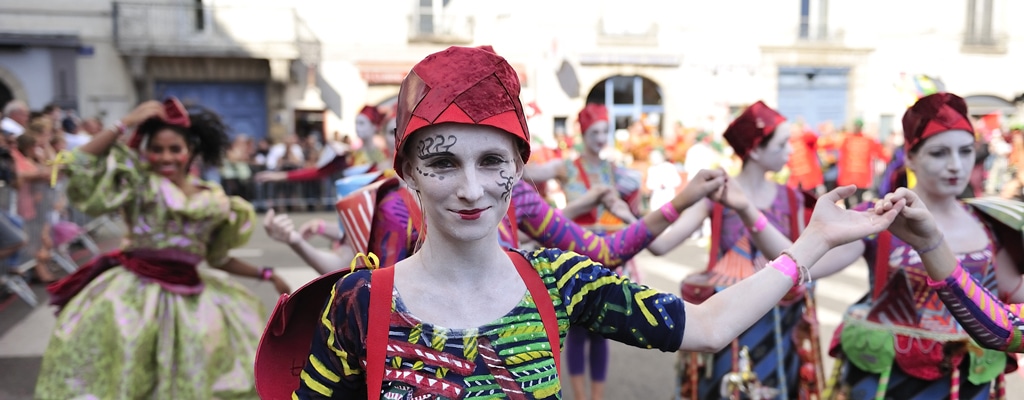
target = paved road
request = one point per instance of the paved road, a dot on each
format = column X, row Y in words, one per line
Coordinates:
column 634, row 373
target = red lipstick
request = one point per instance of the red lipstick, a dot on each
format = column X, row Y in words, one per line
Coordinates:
column 471, row 214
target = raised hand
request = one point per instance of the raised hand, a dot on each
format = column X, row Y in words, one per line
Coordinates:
column 312, row 228
column 143, row 112
column 731, row 196
column 837, row 226
column 914, row 224
column 707, row 182
column 281, row 228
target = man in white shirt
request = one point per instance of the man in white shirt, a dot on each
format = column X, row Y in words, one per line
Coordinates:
column 15, row 117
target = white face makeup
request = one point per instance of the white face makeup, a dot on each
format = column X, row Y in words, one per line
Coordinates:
column 774, row 154
column 595, row 138
column 942, row 163
column 364, row 128
column 464, row 175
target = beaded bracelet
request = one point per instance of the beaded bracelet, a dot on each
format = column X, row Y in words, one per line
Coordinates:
column 266, row 273
column 759, row 224
column 669, row 212
column 934, row 246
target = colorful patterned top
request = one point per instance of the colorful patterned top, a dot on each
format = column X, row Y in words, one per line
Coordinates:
column 911, row 320
column 158, row 214
column 394, row 238
column 510, row 357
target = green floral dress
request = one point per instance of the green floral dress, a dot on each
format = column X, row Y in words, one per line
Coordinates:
column 127, row 337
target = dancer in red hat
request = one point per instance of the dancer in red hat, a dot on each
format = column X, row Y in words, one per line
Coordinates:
column 603, row 198
column 462, row 316
column 783, row 343
column 144, row 321
column 902, row 342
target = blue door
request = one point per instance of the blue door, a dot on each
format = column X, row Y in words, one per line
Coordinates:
column 242, row 105
column 814, row 94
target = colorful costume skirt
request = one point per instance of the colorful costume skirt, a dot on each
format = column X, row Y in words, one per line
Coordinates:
column 126, row 337
column 773, row 354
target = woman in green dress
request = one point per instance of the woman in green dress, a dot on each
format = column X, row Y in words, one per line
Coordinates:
column 143, row 321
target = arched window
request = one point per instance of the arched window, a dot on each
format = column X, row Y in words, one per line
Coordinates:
column 630, row 98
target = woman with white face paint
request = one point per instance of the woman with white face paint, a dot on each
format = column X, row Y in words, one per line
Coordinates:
column 760, row 137
column 901, row 342
column 463, row 317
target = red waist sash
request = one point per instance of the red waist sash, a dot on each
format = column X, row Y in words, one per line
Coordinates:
column 174, row 270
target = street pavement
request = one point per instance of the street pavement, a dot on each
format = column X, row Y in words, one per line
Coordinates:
column 634, row 373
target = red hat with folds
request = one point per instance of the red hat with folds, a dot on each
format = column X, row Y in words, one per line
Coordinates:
column 467, row 85
column 590, row 114
column 748, row 130
column 934, row 114
column 373, row 114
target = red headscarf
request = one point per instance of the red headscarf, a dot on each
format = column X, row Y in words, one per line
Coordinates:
column 174, row 113
column 468, row 85
column 590, row 114
column 373, row 114
column 934, row 114
column 748, row 130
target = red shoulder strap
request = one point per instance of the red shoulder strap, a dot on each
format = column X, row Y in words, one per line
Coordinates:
column 716, row 233
column 881, row 264
column 545, row 307
column 583, row 173
column 382, row 284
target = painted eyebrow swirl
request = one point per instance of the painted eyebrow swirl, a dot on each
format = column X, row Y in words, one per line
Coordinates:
column 432, row 146
column 506, row 182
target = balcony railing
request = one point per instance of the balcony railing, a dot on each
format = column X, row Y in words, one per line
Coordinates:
column 186, row 30
column 440, row 28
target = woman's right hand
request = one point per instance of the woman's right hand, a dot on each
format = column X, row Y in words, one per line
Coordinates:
column 143, row 112
column 914, row 225
column 732, row 196
column 281, row 228
column 832, row 226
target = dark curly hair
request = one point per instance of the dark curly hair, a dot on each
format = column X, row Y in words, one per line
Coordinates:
column 207, row 138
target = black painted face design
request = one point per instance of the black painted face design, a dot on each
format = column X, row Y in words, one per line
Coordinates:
column 435, row 146
column 506, row 183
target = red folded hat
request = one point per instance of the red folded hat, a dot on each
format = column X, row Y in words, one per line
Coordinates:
column 468, row 85
column 934, row 114
column 373, row 114
column 748, row 130
column 174, row 114
column 590, row 114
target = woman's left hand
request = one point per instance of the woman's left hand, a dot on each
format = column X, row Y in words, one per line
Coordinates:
column 914, row 224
